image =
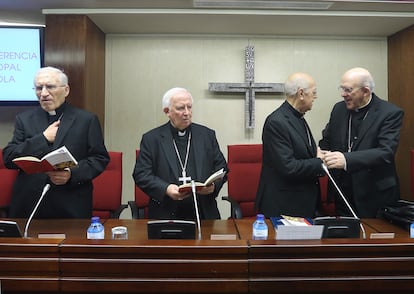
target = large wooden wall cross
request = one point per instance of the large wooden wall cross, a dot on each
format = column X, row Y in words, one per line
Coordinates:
column 249, row 87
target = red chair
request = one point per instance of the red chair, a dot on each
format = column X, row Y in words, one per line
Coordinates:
column 244, row 162
column 326, row 207
column 107, row 189
column 139, row 206
column 7, row 177
column 412, row 173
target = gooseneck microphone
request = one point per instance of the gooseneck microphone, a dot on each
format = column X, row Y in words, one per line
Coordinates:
column 344, row 199
column 193, row 189
column 45, row 189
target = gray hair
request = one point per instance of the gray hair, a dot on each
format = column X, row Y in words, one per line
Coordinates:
column 368, row 81
column 63, row 78
column 166, row 99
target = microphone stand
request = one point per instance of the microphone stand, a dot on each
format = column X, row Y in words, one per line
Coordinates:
column 45, row 189
column 344, row 199
column 196, row 209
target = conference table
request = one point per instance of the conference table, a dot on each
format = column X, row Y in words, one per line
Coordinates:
column 57, row 258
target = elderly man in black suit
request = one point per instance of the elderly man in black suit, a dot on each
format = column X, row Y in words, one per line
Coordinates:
column 360, row 142
column 291, row 160
column 39, row 131
column 177, row 152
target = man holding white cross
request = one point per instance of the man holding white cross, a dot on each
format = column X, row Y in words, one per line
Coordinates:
column 176, row 153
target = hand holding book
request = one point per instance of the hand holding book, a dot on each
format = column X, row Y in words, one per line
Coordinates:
column 218, row 175
column 58, row 159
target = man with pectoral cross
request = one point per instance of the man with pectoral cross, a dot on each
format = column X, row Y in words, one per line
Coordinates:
column 291, row 161
column 177, row 153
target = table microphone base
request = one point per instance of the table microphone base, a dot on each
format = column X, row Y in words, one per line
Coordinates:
column 339, row 226
column 171, row 229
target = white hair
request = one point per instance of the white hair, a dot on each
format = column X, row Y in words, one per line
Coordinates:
column 63, row 78
column 166, row 99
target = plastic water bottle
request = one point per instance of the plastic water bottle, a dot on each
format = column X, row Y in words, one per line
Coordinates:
column 412, row 230
column 96, row 229
column 260, row 230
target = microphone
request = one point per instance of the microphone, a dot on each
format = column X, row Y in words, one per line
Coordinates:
column 344, row 199
column 45, row 189
column 193, row 189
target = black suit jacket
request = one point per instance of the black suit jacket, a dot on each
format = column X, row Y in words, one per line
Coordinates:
column 81, row 133
column 157, row 167
column 289, row 176
column 371, row 163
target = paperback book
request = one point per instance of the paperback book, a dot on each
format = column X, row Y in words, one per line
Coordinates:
column 58, row 159
column 218, row 175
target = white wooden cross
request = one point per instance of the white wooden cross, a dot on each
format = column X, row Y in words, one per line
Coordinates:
column 249, row 87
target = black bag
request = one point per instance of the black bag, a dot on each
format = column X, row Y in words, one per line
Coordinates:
column 401, row 213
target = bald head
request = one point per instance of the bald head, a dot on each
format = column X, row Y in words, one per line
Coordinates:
column 359, row 77
column 356, row 87
column 296, row 81
column 300, row 90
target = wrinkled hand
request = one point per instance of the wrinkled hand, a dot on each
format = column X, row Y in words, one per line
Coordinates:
column 50, row 132
column 60, row 177
column 334, row 159
column 174, row 194
column 320, row 153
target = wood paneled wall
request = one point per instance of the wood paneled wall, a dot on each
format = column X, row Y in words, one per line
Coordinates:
column 401, row 93
column 76, row 45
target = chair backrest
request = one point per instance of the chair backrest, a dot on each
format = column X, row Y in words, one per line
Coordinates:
column 107, row 189
column 326, row 207
column 244, row 162
column 139, row 207
column 412, row 173
column 7, row 177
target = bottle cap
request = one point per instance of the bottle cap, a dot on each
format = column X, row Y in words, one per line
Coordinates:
column 95, row 219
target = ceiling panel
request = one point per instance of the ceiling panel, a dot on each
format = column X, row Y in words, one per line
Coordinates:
column 343, row 18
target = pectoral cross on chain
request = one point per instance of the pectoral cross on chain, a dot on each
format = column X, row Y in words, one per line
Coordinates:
column 184, row 177
column 249, row 87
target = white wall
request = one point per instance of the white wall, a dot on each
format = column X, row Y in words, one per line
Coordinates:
column 139, row 69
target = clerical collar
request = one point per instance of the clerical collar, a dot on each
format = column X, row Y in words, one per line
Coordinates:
column 179, row 133
column 295, row 111
column 58, row 111
column 365, row 106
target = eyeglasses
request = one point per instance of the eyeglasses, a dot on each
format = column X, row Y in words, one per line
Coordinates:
column 49, row 88
column 347, row 90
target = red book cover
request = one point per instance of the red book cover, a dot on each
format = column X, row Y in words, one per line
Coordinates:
column 218, row 175
column 58, row 159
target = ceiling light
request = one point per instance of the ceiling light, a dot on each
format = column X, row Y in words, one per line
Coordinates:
column 246, row 4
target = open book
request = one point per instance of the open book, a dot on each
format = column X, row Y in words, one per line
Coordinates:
column 218, row 175
column 58, row 159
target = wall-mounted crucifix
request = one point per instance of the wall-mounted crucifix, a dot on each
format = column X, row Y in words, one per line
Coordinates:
column 249, row 87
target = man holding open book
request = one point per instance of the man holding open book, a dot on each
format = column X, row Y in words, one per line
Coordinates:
column 174, row 154
column 42, row 130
